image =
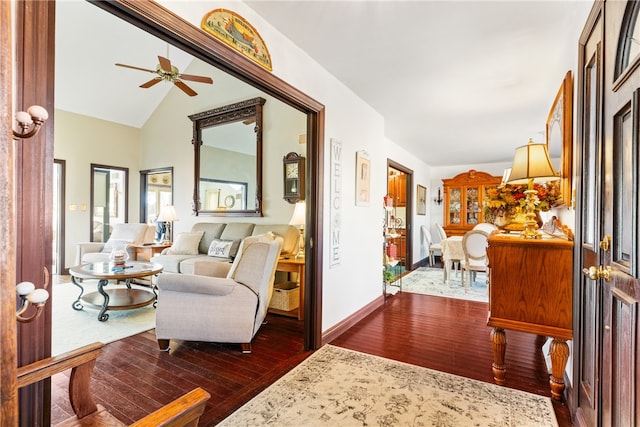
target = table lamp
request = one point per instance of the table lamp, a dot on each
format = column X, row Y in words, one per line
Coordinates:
column 168, row 216
column 298, row 220
column 531, row 164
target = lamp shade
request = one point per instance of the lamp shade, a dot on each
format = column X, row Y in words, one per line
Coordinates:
column 298, row 217
column 532, row 161
column 167, row 214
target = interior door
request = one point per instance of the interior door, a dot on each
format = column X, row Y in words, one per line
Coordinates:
column 587, row 294
column 620, row 264
column 608, row 297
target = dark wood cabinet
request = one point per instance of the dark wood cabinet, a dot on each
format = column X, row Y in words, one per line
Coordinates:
column 531, row 291
column 397, row 185
column 463, row 200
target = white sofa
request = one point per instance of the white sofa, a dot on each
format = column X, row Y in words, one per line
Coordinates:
column 192, row 258
column 130, row 233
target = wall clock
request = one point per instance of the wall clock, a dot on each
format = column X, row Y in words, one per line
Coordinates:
column 293, row 177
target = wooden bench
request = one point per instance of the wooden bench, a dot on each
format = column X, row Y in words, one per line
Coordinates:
column 184, row 411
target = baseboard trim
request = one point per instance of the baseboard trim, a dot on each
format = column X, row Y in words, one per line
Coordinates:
column 341, row 327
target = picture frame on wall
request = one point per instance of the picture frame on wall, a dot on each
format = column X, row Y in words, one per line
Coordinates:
column 363, row 178
column 421, row 197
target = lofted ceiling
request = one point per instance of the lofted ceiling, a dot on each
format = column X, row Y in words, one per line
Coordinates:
column 457, row 82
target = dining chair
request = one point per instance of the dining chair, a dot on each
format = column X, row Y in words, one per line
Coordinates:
column 434, row 248
column 443, row 236
column 474, row 245
column 487, row 227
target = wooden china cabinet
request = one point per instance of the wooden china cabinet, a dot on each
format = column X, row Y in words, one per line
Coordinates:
column 463, row 200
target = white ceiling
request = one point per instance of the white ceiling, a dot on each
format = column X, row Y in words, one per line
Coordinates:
column 456, row 82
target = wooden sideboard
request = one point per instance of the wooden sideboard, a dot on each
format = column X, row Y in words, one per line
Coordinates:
column 530, row 291
column 464, row 199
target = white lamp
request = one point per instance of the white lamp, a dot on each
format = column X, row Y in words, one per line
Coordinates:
column 298, row 220
column 531, row 164
column 167, row 215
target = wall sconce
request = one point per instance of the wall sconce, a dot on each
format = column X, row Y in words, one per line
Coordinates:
column 438, row 200
column 30, row 296
column 30, row 122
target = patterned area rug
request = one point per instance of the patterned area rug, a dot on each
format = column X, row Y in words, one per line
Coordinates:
column 73, row 329
column 340, row 387
column 430, row 281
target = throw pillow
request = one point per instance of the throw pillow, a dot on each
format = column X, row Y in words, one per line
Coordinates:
column 223, row 248
column 186, row 243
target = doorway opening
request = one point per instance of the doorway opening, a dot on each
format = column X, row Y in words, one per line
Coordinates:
column 398, row 218
column 58, row 230
column 156, row 191
column 109, row 200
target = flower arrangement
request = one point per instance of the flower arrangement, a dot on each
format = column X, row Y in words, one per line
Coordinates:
column 508, row 200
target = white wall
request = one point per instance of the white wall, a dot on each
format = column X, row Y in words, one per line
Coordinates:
column 80, row 141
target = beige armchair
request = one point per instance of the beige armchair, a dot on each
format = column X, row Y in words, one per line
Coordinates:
column 129, row 233
column 227, row 309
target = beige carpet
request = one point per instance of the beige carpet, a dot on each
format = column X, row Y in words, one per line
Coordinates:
column 339, row 387
column 73, row 329
column 430, row 281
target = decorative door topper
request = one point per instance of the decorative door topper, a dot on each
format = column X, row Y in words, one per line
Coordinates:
column 232, row 29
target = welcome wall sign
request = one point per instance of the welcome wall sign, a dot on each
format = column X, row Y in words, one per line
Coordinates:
column 233, row 30
column 335, row 198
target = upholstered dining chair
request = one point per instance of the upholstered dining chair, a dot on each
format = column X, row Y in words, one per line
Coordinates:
column 227, row 309
column 487, row 227
column 474, row 245
column 443, row 236
column 432, row 247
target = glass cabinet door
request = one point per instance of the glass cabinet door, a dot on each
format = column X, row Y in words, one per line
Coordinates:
column 455, row 198
column 474, row 206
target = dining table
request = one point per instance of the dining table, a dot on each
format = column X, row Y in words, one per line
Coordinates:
column 452, row 253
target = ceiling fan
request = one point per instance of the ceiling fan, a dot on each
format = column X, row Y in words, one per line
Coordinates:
column 170, row 73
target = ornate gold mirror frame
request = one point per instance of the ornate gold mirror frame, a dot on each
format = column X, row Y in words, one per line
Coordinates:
column 560, row 136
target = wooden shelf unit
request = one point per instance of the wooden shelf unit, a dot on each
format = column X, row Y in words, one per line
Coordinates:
column 463, row 200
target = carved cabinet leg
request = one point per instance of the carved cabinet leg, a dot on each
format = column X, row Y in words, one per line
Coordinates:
column 559, row 351
column 499, row 345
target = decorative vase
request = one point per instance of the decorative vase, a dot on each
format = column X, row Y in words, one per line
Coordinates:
column 119, row 254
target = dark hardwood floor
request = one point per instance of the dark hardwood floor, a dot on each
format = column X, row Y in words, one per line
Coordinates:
column 132, row 377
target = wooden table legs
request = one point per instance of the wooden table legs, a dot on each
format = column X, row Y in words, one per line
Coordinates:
column 559, row 351
column 499, row 346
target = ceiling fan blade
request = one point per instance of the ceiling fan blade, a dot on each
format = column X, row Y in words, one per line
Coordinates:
column 151, row 82
column 165, row 64
column 135, row 68
column 186, row 89
column 200, row 79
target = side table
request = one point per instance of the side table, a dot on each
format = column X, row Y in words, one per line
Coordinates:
column 293, row 265
column 146, row 252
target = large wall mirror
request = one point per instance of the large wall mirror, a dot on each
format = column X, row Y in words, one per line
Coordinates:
column 560, row 136
column 228, row 160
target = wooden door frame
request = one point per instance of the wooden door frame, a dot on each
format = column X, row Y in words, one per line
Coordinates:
column 9, row 360
column 155, row 19
column 35, row 29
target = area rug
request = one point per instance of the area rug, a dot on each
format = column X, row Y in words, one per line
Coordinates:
column 340, row 387
column 73, row 329
column 430, row 281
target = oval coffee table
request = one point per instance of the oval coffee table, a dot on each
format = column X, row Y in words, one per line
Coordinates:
column 125, row 298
